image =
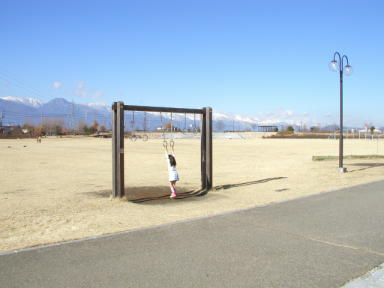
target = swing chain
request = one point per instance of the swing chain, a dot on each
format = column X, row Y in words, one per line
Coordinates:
column 133, row 136
column 185, row 123
column 172, row 142
column 165, row 141
column 145, row 136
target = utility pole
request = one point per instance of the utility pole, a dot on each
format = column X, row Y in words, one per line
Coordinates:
column 149, row 121
column 1, row 118
column 145, row 121
column 73, row 117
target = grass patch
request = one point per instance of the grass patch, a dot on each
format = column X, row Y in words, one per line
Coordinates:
column 327, row 158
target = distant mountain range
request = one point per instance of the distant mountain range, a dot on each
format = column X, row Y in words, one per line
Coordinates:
column 17, row 111
column 35, row 103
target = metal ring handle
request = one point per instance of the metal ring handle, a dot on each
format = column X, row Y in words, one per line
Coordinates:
column 165, row 144
column 171, row 143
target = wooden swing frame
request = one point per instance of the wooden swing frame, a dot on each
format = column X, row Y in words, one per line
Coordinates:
column 118, row 108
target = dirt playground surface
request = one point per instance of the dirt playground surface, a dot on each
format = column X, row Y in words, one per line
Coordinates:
column 60, row 189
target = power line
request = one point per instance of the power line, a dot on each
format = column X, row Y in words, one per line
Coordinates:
column 26, row 87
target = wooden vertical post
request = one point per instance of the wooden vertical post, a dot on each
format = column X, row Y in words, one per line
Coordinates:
column 114, row 150
column 203, row 150
column 118, row 150
column 120, row 143
column 208, row 147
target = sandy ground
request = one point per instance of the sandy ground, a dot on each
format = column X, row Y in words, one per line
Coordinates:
column 60, row 189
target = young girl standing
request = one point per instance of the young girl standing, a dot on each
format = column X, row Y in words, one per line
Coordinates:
column 173, row 176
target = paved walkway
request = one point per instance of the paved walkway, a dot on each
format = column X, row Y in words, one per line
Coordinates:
column 318, row 241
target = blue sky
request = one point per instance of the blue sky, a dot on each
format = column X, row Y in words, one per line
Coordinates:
column 260, row 58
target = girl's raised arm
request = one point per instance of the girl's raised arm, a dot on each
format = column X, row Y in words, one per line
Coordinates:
column 167, row 159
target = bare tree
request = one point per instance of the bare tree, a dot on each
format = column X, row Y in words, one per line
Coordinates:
column 53, row 126
column 95, row 125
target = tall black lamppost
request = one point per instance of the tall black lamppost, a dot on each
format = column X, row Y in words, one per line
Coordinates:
column 338, row 65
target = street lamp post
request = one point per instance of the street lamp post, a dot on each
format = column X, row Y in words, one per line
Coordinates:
column 335, row 66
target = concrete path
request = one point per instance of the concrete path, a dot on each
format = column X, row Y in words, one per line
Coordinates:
column 319, row 241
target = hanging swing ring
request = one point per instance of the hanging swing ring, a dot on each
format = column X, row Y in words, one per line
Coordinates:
column 171, row 143
column 165, row 144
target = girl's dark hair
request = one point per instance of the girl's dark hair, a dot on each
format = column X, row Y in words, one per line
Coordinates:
column 172, row 160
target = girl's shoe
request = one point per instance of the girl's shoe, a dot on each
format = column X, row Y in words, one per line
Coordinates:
column 173, row 195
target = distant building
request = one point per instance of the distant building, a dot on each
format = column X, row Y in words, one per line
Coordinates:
column 267, row 128
column 10, row 130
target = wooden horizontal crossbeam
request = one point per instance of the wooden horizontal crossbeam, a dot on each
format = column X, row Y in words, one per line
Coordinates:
column 161, row 109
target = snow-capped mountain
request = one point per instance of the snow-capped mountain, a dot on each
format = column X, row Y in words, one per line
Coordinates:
column 32, row 102
column 18, row 111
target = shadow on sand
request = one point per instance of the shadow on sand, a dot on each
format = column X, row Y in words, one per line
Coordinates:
column 365, row 166
column 149, row 193
column 229, row 186
column 144, row 194
column 99, row 194
column 153, row 193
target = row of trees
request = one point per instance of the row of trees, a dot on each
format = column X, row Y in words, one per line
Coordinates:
column 52, row 126
column 169, row 126
column 290, row 129
column 56, row 126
